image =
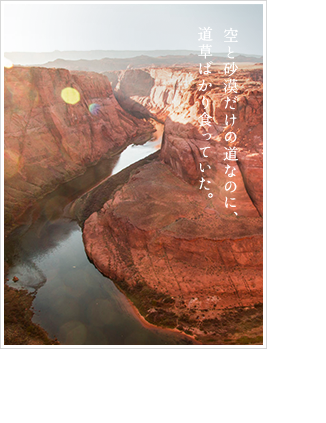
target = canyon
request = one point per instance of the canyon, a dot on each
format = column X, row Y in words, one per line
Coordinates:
column 185, row 260
column 48, row 141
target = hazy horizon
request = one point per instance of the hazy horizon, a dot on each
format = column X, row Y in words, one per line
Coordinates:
column 43, row 58
column 48, row 28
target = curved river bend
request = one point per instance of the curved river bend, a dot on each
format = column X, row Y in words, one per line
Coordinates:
column 73, row 301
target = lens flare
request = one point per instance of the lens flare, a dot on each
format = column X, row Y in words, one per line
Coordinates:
column 7, row 63
column 13, row 163
column 94, row 108
column 70, row 95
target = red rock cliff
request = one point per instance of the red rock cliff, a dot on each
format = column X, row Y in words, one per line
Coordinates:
column 161, row 237
column 151, row 92
column 48, row 141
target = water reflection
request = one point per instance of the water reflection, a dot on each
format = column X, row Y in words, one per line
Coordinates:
column 137, row 152
column 73, row 300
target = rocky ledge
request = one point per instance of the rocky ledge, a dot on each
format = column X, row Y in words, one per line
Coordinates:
column 185, row 259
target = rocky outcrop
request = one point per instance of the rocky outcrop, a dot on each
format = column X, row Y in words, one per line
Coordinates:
column 184, row 136
column 184, row 257
column 48, row 141
column 150, row 92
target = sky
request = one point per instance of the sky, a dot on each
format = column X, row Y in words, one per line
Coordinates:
column 45, row 27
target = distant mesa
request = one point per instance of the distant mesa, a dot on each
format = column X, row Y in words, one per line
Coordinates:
column 39, row 58
column 118, row 64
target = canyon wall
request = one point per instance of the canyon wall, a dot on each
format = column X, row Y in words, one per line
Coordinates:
column 48, row 141
column 171, row 95
column 152, row 92
column 183, row 257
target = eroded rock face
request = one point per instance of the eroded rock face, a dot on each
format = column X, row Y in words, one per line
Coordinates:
column 163, row 239
column 184, row 137
column 156, row 93
column 48, row 141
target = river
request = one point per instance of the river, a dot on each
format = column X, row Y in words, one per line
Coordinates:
column 73, row 300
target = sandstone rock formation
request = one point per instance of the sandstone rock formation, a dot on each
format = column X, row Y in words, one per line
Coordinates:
column 48, row 141
column 185, row 259
column 151, row 92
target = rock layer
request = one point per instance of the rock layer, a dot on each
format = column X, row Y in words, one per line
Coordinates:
column 187, row 256
column 48, row 141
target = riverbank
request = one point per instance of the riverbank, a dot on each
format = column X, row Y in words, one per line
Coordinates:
column 236, row 326
column 241, row 325
column 18, row 326
column 73, row 300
